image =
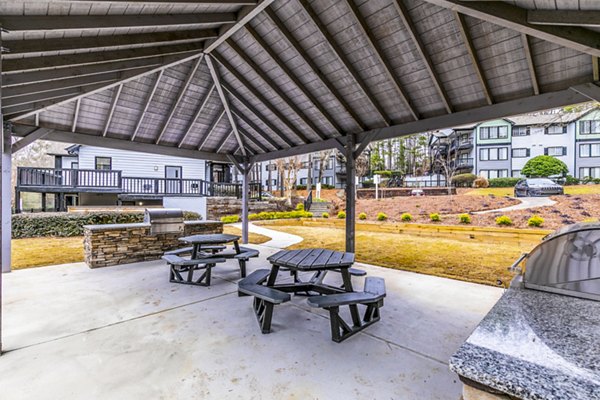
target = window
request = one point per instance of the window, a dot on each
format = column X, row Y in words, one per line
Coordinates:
column 493, row 132
column 75, row 165
column 327, row 180
column 516, row 173
column 589, row 172
column 271, row 167
column 493, row 154
column 589, row 127
column 589, row 150
column 555, row 151
column 494, row 173
column 329, row 164
column 521, row 131
column 520, row 153
column 303, row 181
column 104, row 163
column 556, row 130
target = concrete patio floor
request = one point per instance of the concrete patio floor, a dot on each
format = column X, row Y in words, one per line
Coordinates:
column 127, row 333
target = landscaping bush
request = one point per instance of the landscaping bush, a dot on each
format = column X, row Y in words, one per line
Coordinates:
column 536, row 220
column 503, row 220
column 300, row 207
column 341, row 215
column 435, row 217
column 325, row 215
column 368, row 184
column 544, row 166
column 571, row 180
column 71, row 224
column 382, row 216
column 230, row 219
column 406, row 217
column 463, row 180
column 384, row 174
column 503, row 182
column 362, row 216
column 464, row 218
column 267, row 215
column 481, row 182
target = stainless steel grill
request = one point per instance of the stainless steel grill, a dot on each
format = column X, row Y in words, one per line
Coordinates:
column 164, row 220
column 566, row 262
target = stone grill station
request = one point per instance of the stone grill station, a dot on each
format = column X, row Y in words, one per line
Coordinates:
column 115, row 244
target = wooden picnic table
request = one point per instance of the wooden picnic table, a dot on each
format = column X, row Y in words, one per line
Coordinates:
column 197, row 241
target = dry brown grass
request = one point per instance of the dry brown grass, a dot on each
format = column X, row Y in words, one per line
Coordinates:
column 469, row 261
column 254, row 238
column 37, row 252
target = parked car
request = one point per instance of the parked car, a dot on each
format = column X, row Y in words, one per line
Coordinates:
column 537, row 187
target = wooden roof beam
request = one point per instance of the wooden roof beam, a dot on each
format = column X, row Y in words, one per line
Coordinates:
column 198, row 2
column 291, row 76
column 339, row 53
column 275, row 88
column 420, row 46
column 251, row 139
column 515, row 18
column 468, row 41
column 76, row 115
column 530, row 63
column 14, row 23
column 564, row 17
column 197, row 113
column 210, row 129
column 147, row 104
column 113, row 105
column 385, row 64
column 313, row 67
column 261, row 98
column 182, row 90
column 102, row 42
column 255, row 128
column 49, row 95
column 214, row 73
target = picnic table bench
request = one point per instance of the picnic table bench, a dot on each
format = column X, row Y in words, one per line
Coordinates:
column 179, row 265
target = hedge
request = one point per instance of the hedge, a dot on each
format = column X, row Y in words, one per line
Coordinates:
column 463, row 180
column 503, row 182
column 65, row 224
column 279, row 215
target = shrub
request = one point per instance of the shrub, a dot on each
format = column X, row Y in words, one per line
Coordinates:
column 341, row 215
column 362, row 216
column 544, row 166
column 230, row 219
column 381, row 216
column 464, row 218
column 325, row 215
column 300, row 207
column 463, row 180
column 384, row 174
column 267, row 215
column 571, row 180
column 71, row 224
column 481, row 182
column 406, row 217
column 503, row 220
column 367, row 184
column 536, row 220
column 503, row 182
column 435, row 217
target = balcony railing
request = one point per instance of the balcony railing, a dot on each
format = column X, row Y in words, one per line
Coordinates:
column 113, row 181
column 464, row 163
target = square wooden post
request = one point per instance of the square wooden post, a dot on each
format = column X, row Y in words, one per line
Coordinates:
column 245, row 189
column 350, row 194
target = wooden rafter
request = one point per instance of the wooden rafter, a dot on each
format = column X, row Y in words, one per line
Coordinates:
column 255, row 128
column 146, row 104
column 111, row 111
column 197, row 113
column 530, row 63
column 210, row 129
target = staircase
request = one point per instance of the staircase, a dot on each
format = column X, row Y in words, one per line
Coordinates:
column 318, row 208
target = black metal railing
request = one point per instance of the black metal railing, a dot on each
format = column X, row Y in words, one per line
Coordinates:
column 101, row 180
column 308, row 201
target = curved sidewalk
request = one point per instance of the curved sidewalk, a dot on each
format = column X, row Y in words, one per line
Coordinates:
column 526, row 203
column 279, row 240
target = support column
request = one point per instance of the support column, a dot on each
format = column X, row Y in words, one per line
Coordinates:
column 245, row 189
column 44, row 202
column 5, row 193
column 350, row 194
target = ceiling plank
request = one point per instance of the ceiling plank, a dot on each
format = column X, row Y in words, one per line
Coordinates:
column 339, row 53
column 420, row 46
column 468, row 41
column 113, row 105
column 275, row 88
column 119, row 144
column 515, row 18
column 48, row 95
column 530, row 64
column 197, row 113
column 253, row 140
column 261, row 98
column 103, row 42
column 291, row 76
column 223, row 141
column 564, row 17
column 313, row 67
column 217, row 81
column 385, row 64
column 15, row 23
column 255, row 128
column 72, row 60
column 182, row 90
column 147, row 104
column 198, row 2
column 210, row 129
column 245, row 15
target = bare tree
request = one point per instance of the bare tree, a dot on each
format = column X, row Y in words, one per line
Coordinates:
column 289, row 168
column 447, row 166
column 323, row 160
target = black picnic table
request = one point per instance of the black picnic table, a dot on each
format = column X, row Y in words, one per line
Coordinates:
column 197, row 241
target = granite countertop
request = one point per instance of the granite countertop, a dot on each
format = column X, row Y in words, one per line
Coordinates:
column 535, row 345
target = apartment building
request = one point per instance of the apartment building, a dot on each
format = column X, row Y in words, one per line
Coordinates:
column 501, row 148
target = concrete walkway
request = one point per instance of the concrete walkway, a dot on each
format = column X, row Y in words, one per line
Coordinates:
column 279, row 240
column 526, row 203
column 125, row 332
